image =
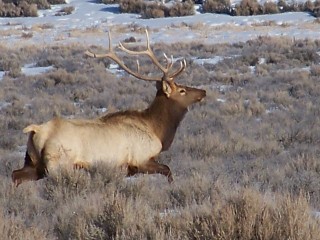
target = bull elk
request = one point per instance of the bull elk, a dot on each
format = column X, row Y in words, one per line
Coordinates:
column 130, row 139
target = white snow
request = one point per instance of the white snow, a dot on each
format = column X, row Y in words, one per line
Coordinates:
column 32, row 70
column 316, row 214
column 169, row 213
column 212, row 61
column 221, row 100
column 2, row 73
column 4, row 105
column 90, row 21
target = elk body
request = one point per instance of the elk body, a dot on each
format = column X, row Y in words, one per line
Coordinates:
column 130, row 139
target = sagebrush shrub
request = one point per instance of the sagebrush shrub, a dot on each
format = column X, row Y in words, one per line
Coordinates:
column 131, row 6
column 109, row 1
column 248, row 8
column 245, row 161
column 217, row 6
column 270, row 8
column 181, row 9
column 156, row 9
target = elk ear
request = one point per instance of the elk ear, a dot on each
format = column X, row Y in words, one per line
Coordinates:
column 166, row 88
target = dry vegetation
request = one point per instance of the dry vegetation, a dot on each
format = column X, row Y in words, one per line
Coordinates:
column 155, row 9
column 246, row 162
column 253, row 7
column 25, row 8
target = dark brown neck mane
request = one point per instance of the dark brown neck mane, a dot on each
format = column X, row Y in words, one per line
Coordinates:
column 165, row 115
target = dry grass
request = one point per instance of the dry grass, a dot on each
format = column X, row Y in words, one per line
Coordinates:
column 245, row 166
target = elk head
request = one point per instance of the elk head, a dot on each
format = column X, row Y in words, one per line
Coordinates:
column 179, row 94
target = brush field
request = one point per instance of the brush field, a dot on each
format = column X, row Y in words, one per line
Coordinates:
column 246, row 161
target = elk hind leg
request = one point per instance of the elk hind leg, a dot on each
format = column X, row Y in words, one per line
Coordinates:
column 152, row 167
column 29, row 172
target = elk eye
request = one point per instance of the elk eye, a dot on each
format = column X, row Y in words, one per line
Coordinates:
column 182, row 91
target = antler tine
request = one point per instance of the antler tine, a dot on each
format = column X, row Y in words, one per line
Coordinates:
column 183, row 65
column 169, row 61
column 147, row 52
column 94, row 55
column 138, row 66
column 111, row 54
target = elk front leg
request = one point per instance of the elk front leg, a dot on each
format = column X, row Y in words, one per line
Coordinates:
column 132, row 170
column 152, row 167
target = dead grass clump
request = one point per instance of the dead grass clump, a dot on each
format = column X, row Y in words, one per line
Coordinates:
column 8, row 10
column 156, row 9
column 248, row 8
column 28, row 9
column 270, row 8
column 21, row 8
column 27, row 35
column 129, row 6
column 41, row 4
column 11, row 64
column 109, row 1
column 13, row 227
column 182, row 9
column 315, row 70
column 316, row 12
column 65, row 11
column 217, row 6
column 54, row 2
column 244, row 214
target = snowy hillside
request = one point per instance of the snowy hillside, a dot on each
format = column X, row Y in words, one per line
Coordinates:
column 90, row 21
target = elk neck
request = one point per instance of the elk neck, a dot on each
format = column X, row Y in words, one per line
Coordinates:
column 164, row 116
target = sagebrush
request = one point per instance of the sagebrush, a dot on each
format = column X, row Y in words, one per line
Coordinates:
column 245, row 162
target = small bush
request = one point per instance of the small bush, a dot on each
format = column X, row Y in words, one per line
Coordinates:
column 109, row 1
column 316, row 12
column 65, row 11
column 54, row 2
column 270, row 8
column 27, row 35
column 156, row 10
column 217, row 6
column 248, row 8
column 182, row 9
column 131, row 6
column 22, row 9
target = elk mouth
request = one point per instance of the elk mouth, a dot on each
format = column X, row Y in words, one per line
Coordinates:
column 201, row 98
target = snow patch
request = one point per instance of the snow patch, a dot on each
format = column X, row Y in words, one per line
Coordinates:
column 2, row 73
column 32, row 70
column 4, row 105
column 221, row 100
column 169, row 212
column 271, row 110
column 163, row 29
column 316, row 214
column 212, row 61
column 224, row 88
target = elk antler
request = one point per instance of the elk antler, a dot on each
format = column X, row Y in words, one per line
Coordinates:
column 148, row 52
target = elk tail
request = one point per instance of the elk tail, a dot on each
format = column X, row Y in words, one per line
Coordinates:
column 32, row 128
column 32, row 151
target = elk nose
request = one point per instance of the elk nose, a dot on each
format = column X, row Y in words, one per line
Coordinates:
column 203, row 94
